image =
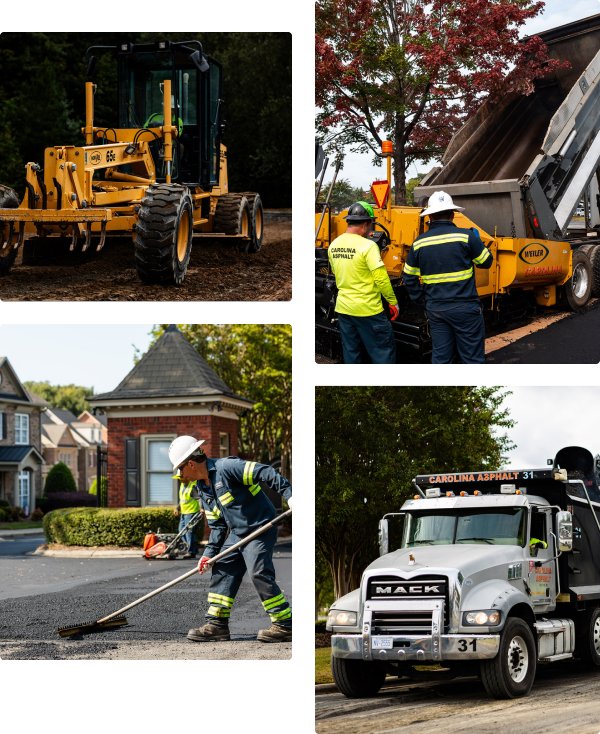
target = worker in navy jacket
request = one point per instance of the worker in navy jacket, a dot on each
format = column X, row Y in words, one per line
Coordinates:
column 235, row 506
column 443, row 258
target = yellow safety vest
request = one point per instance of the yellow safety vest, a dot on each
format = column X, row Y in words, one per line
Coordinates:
column 187, row 504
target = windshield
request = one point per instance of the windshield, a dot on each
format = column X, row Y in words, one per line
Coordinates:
column 487, row 526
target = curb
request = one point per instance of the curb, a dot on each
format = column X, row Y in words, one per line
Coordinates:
column 277, row 216
column 108, row 553
column 21, row 533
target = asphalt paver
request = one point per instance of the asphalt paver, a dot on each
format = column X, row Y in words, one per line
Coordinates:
column 156, row 629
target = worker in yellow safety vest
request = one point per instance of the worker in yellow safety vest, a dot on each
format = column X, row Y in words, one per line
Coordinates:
column 189, row 506
column 362, row 280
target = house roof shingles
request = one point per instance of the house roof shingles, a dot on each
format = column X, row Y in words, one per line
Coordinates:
column 15, row 454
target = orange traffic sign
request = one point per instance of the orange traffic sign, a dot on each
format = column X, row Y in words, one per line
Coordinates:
column 380, row 190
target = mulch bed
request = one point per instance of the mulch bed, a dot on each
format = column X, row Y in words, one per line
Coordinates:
column 323, row 639
column 60, row 547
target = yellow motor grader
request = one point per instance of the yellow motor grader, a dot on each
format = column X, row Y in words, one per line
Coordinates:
column 159, row 176
column 520, row 169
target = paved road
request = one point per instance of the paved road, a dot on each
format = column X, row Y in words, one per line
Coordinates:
column 565, row 699
column 40, row 594
column 19, row 545
column 572, row 340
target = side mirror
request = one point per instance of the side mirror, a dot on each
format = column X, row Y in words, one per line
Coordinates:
column 564, row 527
column 384, row 538
column 200, row 61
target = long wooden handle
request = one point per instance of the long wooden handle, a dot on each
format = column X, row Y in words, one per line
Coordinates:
column 195, row 570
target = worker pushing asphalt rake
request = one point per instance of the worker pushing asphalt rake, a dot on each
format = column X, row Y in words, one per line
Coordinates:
column 117, row 619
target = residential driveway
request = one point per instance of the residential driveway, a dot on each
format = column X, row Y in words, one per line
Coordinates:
column 40, row 594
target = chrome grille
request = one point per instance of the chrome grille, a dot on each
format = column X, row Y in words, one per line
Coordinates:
column 381, row 588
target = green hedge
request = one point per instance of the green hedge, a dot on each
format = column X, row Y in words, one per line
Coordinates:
column 60, row 479
column 2, row 515
column 4, row 503
column 320, row 626
column 99, row 526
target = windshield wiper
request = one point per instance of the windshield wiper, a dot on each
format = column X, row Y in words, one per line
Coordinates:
column 414, row 542
column 487, row 540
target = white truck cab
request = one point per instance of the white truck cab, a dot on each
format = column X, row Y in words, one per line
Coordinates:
column 489, row 578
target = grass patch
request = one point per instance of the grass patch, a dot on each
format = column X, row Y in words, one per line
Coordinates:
column 19, row 525
column 323, row 665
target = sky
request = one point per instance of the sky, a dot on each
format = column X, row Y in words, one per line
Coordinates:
column 550, row 418
column 360, row 171
column 97, row 356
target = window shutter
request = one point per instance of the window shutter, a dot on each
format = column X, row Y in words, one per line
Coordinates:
column 132, row 472
column 4, row 426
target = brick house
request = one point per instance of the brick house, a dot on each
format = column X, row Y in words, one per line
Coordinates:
column 172, row 391
column 73, row 441
column 20, row 441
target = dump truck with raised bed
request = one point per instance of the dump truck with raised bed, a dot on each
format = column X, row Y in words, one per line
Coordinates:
column 493, row 574
column 159, row 176
column 520, row 168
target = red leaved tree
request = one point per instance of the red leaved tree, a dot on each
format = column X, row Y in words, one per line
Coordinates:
column 414, row 73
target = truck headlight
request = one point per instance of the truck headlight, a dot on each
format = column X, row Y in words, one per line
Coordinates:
column 481, row 619
column 341, row 618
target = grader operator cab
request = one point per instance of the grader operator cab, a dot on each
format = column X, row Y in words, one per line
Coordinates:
column 159, row 176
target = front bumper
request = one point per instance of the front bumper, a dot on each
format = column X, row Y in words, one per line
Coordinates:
column 417, row 648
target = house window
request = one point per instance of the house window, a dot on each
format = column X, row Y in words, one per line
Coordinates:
column 91, row 459
column 21, row 428
column 160, row 473
column 24, row 490
column 223, row 445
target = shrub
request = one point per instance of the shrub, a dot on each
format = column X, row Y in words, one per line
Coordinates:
column 60, row 479
column 2, row 515
column 100, row 526
column 4, row 503
column 18, row 513
column 41, row 503
column 320, row 626
column 104, row 488
column 37, row 514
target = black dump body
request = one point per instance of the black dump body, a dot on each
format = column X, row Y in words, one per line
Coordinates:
column 579, row 571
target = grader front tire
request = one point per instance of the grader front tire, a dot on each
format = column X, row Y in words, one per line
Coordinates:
column 163, row 242
column 256, row 220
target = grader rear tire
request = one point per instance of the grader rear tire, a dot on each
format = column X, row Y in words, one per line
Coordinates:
column 256, row 220
column 8, row 255
column 232, row 216
column 163, row 244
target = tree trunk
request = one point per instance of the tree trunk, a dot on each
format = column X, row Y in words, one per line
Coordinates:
column 399, row 166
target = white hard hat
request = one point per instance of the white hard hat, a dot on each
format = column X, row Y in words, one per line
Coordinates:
column 440, row 201
column 181, row 448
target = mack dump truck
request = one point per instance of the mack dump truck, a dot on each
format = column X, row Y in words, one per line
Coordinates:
column 496, row 572
column 520, row 168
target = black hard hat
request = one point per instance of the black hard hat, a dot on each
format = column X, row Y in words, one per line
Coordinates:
column 360, row 212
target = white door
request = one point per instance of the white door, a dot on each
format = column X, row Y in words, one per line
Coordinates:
column 24, row 491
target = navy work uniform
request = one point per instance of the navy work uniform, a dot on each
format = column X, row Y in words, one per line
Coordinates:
column 234, row 501
column 443, row 257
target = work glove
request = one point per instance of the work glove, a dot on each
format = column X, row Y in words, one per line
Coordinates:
column 394, row 311
column 202, row 564
column 289, row 503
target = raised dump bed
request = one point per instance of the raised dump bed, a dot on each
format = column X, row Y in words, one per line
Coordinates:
column 521, row 166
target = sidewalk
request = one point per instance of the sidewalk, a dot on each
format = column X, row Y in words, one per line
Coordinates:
column 21, row 533
column 110, row 553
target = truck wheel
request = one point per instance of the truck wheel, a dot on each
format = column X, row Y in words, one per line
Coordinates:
column 593, row 253
column 578, row 288
column 163, row 242
column 510, row 674
column 357, row 678
column 588, row 645
column 8, row 231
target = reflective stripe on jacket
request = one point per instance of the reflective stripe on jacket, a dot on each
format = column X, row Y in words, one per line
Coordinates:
column 235, row 499
column 443, row 257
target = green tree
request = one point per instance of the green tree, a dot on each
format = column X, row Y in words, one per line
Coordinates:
column 342, row 196
column 410, row 188
column 59, row 479
column 372, row 441
column 67, row 397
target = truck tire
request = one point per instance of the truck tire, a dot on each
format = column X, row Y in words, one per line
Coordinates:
column 593, row 253
column 588, row 645
column 510, row 674
column 8, row 255
column 578, row 289
column 163, row 242
column 357, row 678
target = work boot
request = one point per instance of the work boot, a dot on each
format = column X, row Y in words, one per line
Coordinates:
column 275, row 633
column 211, row 632
column 189, row 555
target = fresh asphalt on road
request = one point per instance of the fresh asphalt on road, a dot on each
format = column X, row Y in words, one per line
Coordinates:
column 39, row 594
column 572, row 340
